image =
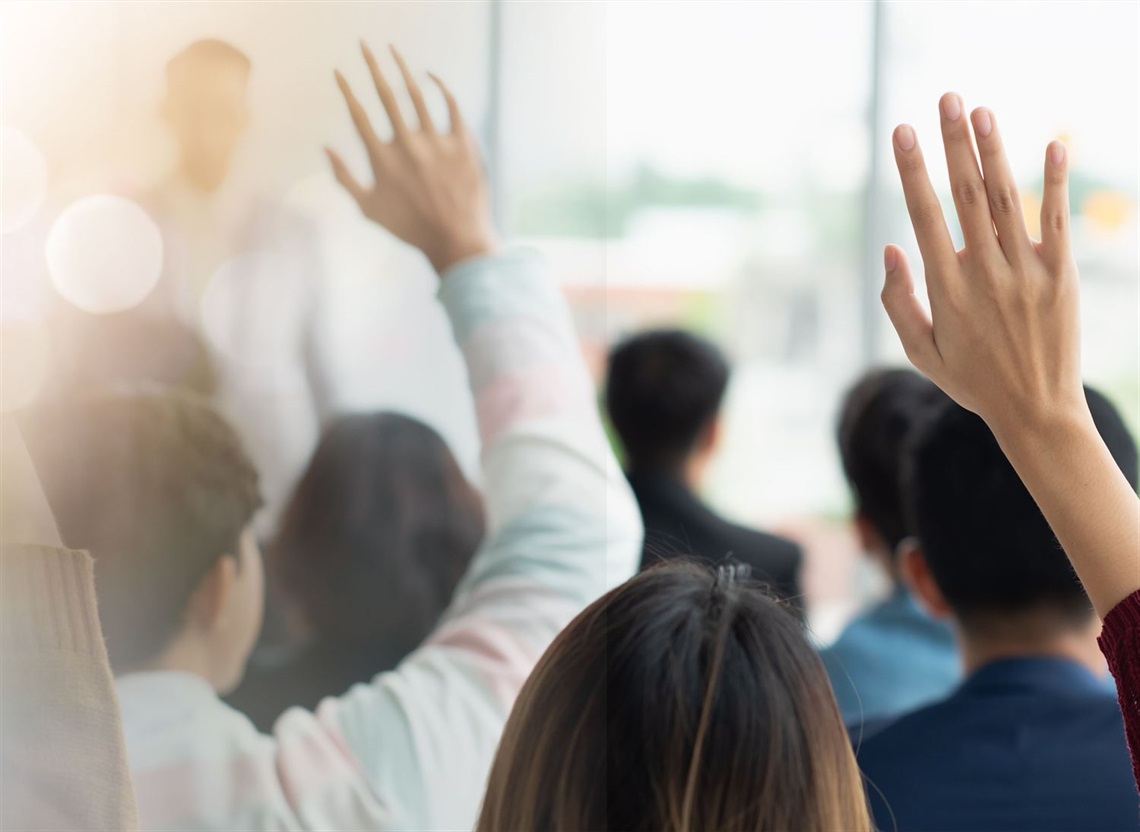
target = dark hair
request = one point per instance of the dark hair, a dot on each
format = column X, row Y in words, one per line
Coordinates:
column 157, row 487
column 207, row 50
column 377, row 533
column 663, row 388
column 878, row 415
column 683, row 700
column 988, row 547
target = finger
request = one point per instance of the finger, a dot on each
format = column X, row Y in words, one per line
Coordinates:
column 922, row 203
column 453, row 113
column 1055, row 204
column 345, row 178
column 387, row 97
column 965, row 178
column 416, row 95
column 1001, row 191
column 909, row 319
column 359, row 117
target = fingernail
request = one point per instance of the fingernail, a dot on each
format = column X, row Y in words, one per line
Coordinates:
column 983, row 123
column 1057, row 153
column 904, row 137
column 890, row 259
column 951, row 106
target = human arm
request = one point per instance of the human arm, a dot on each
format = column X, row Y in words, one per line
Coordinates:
column 1003, row 340
column 562, row 524
column 61, row 739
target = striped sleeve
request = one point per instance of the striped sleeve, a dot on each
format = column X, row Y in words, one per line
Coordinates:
column 563, row 528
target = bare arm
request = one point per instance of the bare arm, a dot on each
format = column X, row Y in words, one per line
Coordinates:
column 1003, row 339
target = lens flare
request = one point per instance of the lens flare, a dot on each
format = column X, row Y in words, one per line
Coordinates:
column 25, row 358
column 23, row 180
column 104, row 254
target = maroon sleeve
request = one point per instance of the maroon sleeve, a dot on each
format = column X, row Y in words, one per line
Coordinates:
column 1120, row 643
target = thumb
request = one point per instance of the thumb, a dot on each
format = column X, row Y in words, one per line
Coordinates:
column 345, row 178
column 910, row 320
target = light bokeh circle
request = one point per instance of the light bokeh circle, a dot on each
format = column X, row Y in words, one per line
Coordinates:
column 23, row 179
column 25, row 360
column 104, row 254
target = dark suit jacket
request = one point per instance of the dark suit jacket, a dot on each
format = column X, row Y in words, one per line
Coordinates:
column 1034, row 744
column 678, row 524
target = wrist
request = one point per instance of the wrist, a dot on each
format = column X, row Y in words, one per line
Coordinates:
column 450, row 252
column 1035, row 432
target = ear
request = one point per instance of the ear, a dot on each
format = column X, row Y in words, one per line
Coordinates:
column 711, row 434
column 869, row 539
column 915, row 572
column 209, row 599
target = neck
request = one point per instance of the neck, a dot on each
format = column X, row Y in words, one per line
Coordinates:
column 188, row 655
column 1075, row 644
column 206, row 178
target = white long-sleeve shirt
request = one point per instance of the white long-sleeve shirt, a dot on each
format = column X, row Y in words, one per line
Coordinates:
column 412, row 748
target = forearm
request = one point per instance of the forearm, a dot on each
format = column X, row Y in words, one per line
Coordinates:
column 544, row 450
column 1085, row 498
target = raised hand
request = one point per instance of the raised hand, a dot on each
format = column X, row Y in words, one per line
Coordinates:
column 1002, row 337
column 428, row 186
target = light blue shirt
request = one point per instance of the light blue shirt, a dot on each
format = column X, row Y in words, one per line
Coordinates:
column 891, row 659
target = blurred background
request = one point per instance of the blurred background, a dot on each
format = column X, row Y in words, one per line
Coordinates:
column 724, row 166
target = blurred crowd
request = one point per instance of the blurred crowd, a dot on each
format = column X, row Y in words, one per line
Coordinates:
column 228, row 605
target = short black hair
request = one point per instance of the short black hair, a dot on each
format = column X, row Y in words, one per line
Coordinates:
column 157, row 487
column 988, row 546
column 878, row 417
column 663, row 388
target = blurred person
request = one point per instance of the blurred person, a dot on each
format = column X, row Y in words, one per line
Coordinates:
column 1002, row 338
column 160, row 489
column 372, row 544
column 686, row 699
column 241, row 269
column 893, row 657
column 62, row 761
column 664, row 391
column 1032, row 739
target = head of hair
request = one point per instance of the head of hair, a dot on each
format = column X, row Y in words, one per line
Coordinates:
column 206, row 52
column 683, row 700
column 879, row 414
column 986, row 543
column 157, row 487
column 377, row 534
column 662, row 389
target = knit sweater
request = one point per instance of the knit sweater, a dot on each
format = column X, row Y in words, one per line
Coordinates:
column 411, row 748
column 62, row 763
column 1120, row 643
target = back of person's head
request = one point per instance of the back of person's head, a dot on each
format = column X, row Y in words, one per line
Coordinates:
column 878, row 416
column 986, row 544
column 683, row 700
column 377, row 534
column 663, row 389
column 157, row 487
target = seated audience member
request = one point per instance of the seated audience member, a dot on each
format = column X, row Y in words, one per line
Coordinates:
column 1003, row 339
column 62, row 763
column 1033, row 739
column 160, row 490
column 685, row 699
column 373, row 542
column 664, row 392
column 893, row 657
